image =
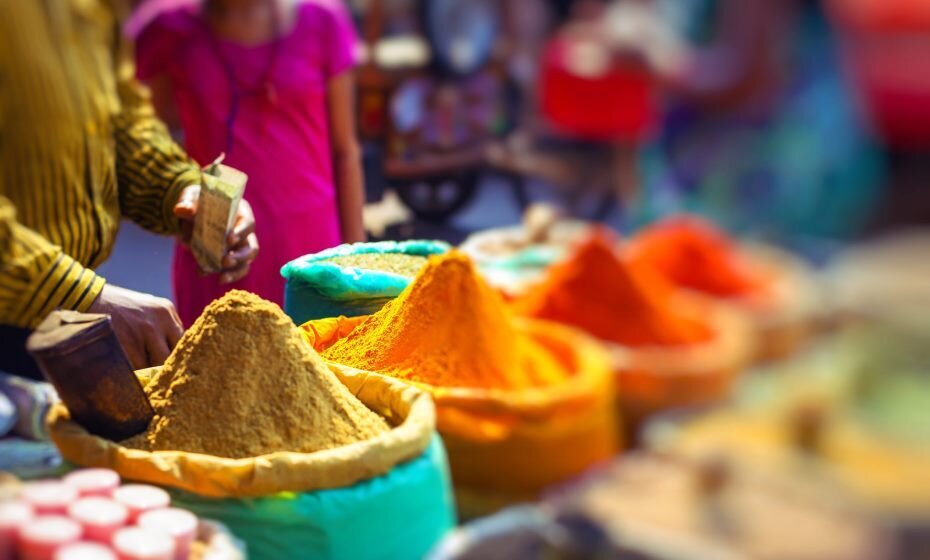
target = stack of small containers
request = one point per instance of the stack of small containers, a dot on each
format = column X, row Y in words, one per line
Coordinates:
column 90, row 515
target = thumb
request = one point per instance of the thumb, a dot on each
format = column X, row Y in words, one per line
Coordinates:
column 186, row 206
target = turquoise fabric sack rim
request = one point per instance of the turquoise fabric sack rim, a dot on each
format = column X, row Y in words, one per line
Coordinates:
column 416, row 495
column 349, row 283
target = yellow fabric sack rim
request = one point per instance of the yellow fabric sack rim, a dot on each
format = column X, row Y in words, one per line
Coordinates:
column 591, row 379
column 408, row 408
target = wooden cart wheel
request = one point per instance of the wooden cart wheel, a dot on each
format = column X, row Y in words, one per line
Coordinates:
column 436, row 199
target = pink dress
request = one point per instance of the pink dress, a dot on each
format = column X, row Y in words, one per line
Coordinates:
column 279, row 136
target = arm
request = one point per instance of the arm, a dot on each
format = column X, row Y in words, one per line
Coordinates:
column 36, row 277
column 151, row 169
column 158, row 182
column 347, row 160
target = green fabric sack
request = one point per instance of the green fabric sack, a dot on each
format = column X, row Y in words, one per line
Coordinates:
column 402, row 514
column 317, row 289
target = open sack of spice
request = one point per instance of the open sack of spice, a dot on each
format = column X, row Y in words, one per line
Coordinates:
column 669, row 348
column 245, row 408
column 353, row 279
column 775, row 289
column 521, row 404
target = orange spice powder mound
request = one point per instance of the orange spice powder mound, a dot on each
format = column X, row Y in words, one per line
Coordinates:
column 449, row 328
column 693, row 254
column 597, row 291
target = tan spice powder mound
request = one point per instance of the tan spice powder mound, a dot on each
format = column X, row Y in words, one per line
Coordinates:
column 242, row 383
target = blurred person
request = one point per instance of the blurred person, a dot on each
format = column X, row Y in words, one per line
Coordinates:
column 588, row 103
column 270, row 84
column 80, row 147
column 760, row 131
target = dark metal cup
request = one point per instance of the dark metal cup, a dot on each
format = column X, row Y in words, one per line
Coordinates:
column 81, row 356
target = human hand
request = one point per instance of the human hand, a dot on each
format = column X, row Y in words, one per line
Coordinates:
column 147, row 327
column 241, row 243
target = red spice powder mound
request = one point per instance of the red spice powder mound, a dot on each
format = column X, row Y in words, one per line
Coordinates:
column 599, row 292
column 693, row 254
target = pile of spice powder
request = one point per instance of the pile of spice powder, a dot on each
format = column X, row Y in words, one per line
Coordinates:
column 693, row 254
column 242, row 383
column 449, row 328
column 396, row 263
column 609, row 298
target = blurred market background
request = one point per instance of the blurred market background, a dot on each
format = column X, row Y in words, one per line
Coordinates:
column 797, row 130
column 802, row 122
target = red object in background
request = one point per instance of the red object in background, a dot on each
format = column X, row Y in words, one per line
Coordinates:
column 588, row 94
column 180, row 524
column 48, row 497
column 93, row 482
column 372, row 114
column 886, row 52
column 43, row 536
column 13, row 515
column 694, row 254
column 135, row 543
column 140, row 498
column 100, row 518
column 893, row 16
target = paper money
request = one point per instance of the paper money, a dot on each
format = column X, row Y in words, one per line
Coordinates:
column 220, row 194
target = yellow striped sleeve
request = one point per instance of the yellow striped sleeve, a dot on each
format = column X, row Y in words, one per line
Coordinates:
column 36, row 277
column 151, row 169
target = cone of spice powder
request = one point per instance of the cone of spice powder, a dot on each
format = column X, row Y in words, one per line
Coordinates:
column 611, row 299
column 243, row 383
column 693, row 254
column 774, row 288
column 449, row 329
column 521, row 404
column 670, row 348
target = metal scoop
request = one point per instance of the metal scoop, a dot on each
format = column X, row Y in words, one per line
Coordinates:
column 81, row 356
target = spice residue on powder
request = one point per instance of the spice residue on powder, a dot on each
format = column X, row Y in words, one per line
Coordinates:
column 597, row 291
column 242, row 383
column 693, row 254
column 396, row 263
column 449, row 328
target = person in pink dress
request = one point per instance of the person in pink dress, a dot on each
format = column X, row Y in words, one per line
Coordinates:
column 269, row 84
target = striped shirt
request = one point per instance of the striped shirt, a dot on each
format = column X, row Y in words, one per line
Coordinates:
column 80, row 147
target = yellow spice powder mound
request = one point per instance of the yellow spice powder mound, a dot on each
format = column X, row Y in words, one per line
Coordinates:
column 242, row 383
column 449, row 328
